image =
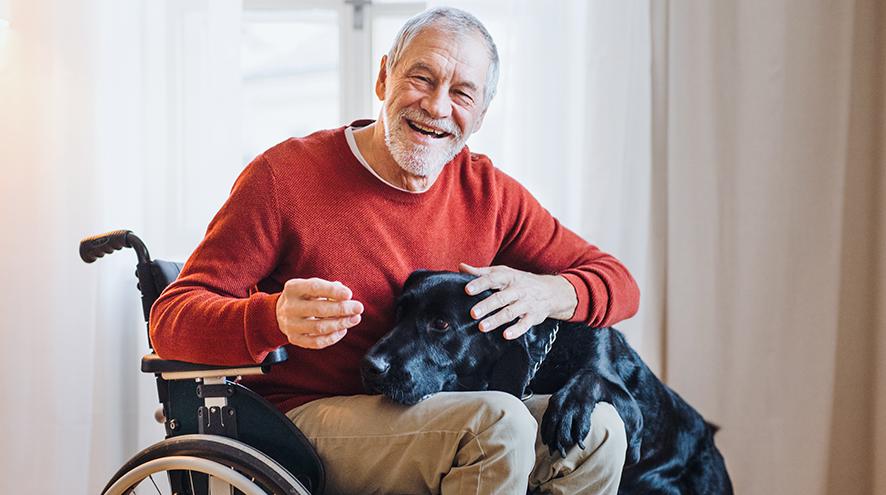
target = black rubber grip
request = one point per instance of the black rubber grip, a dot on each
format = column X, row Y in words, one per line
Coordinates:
column 94, row 247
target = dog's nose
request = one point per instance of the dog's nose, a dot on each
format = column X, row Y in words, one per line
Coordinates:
column 376, row 365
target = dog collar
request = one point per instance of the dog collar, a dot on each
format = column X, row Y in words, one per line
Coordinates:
column 550, row 343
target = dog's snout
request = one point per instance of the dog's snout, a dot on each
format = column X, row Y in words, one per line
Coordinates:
column 376, row 365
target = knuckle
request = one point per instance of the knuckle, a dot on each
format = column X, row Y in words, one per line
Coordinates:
column 331, row 326
column 334, row 309
column 501, row 298
column 343, row 308
column 321, row 309
column 318, row 327
column 299, row 308
column 509, row 313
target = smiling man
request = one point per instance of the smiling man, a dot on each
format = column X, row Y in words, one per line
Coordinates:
column 318, row 236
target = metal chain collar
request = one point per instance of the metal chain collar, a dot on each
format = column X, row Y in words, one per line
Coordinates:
column 548, row 347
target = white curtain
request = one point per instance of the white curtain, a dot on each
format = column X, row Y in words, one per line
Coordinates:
column 773, row 153
column 572, row 122
column 731, row 153
column 112, row 115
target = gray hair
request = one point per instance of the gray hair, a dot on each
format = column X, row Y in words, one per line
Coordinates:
column 456, row 21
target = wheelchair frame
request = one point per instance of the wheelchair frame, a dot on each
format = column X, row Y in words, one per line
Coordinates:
column 219, row 434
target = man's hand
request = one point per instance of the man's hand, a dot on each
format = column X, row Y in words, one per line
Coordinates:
column 531, row 298
column 315, row 313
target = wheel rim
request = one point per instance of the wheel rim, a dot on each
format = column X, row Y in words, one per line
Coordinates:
column 181, row 463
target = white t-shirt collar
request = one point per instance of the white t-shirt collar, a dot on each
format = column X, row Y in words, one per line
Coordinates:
column 352, row 143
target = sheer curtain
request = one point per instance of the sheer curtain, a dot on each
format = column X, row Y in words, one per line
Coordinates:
column 731, row 153
column 105, row 107
column 572, row 122
column 773, row 148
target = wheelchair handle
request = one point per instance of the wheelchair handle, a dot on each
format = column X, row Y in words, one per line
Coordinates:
column 96, row 246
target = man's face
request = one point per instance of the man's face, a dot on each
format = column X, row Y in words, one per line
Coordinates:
column 433, row 99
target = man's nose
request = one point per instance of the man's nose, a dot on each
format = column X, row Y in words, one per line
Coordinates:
column 437, row 104
column 376, row 365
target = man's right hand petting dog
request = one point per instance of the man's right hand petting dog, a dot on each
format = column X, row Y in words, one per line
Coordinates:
column 435, row 346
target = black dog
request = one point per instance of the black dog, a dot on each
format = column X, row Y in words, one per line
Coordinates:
column 436, row 346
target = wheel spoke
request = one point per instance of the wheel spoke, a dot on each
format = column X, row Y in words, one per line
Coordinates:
column 151, row 477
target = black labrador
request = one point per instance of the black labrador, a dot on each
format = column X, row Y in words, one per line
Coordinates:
column 435, row 346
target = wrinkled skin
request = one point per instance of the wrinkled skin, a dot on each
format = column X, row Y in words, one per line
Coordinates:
column 436, row 346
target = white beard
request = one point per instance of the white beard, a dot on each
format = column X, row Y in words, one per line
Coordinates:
column 417, row 159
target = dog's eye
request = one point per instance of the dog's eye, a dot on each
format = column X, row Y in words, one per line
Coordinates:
column 440, row 324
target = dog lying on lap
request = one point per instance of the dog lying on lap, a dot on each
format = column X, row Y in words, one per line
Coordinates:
column 436, row 346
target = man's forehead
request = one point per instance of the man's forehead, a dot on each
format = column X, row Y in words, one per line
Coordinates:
column 436, row 50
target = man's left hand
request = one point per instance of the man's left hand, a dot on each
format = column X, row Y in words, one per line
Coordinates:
column 520, row 295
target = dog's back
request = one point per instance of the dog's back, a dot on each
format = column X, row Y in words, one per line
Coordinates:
column 678, row 454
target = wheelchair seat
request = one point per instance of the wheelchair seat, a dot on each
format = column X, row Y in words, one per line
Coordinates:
column 219, row 434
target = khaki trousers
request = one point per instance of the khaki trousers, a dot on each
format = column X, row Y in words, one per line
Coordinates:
column 456, row 443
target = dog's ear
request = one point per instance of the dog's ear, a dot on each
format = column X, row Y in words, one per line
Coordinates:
column 414, row 278
column 511, row 372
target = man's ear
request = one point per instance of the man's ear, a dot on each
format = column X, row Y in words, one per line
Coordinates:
column 511, row 372
column 382, row 80
column 480, row 120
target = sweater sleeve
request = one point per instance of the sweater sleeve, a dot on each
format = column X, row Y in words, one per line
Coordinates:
column 210, row 313
column 534, row 241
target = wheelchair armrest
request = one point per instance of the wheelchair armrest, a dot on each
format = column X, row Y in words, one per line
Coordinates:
column 178, row 370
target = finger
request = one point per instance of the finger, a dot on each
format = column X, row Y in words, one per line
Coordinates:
column 498, row 278
column 517, row 329
column 498, row 300
column 327, row 309
column 474, row 270
column 318, row 342
column 506, row 315
column 313, row 288
column 327, row 326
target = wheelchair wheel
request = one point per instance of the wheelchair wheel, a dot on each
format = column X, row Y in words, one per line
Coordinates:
column 202, row 465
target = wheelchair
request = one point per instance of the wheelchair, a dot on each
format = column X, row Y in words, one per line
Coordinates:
column 221, row 437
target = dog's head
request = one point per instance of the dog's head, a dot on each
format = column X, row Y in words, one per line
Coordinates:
column 435, row 345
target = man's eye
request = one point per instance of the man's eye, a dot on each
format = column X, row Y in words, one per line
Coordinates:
column 440, row 324
column 464, row 95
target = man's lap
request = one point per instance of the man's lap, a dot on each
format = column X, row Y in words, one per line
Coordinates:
column 373, row 443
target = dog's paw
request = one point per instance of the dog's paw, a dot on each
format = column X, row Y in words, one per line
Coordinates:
column 567, row 420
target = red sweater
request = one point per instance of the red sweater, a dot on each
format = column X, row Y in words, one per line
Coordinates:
column 308, row 208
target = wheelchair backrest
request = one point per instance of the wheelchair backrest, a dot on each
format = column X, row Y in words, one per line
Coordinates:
column 164, row 273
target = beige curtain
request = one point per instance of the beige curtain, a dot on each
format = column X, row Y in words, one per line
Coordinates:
column 112, row 115
column 770, row 175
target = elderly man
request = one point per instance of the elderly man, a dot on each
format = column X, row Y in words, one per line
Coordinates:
column 315, row 241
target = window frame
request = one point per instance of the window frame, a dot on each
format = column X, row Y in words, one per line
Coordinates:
column 357, row 69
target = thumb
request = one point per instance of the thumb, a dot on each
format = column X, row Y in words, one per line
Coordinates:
column 473, row 270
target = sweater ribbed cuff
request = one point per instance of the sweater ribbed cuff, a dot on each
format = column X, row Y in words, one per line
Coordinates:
column 263, row 334
column 592, row 297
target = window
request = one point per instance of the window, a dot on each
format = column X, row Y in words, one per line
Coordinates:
column 311, row 64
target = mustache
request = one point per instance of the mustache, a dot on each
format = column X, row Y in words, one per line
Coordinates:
column 445, row 125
